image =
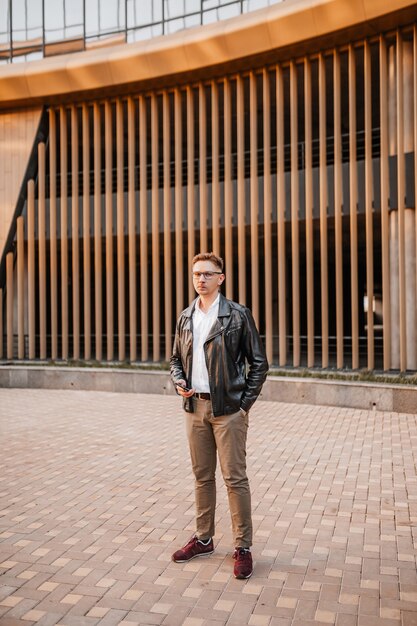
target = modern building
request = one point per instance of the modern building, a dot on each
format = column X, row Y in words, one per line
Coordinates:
column 281, row 135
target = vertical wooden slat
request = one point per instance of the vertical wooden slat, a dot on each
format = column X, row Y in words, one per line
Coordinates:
column 52, row 234
column 120, row 210
column 386, row 300
column 215, row 185
column 369, row 204
column 143, row 203
column 42, row 250
column 1, row 324
column 179, row 286
column 337, row 120
column 75, row 219
column 108, row 139
column 97, row 235
column 190, row 189
column 202, row 115
column 64, row 231
column 267, row 214
column 323, row 215
column 155, row 230
column 309, row 211
column 86, row 233
column 21, row 287
column 294, row 217
column 241, row 201
column 254, row 204
column 353, row 189
column 401, row 203
column 31, row 268
column 9, row 303
column 228, row 196
column 415, row 132
column 168, row 269
column 132, row 229
column 109, row 229
column 282, row 322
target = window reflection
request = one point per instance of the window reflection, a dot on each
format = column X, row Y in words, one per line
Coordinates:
column 31, row 29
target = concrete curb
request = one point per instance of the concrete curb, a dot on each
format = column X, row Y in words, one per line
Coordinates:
column 350, row 394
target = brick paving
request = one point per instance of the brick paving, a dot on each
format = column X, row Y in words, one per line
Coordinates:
column 96, row 493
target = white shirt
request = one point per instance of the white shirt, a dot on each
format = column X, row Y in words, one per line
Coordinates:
column 202, row 323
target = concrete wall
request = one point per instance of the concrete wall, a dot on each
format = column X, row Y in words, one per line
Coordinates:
column 381, row 397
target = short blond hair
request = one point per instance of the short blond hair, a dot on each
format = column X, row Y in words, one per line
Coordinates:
column 209, row 256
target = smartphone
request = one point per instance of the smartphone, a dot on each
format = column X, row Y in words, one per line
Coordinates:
column 184, row 388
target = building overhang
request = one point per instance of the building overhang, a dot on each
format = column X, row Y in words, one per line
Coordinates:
column 293, row 25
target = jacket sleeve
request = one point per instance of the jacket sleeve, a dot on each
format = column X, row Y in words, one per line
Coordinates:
column 256, row 358
column 176, row 366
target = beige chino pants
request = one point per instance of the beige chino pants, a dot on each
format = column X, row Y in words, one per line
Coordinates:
column 225, row 436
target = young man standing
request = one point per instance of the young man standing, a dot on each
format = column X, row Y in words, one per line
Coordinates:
column 216, row 339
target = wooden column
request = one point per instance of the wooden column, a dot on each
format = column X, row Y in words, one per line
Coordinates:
column 155, row 231
column 386, row 300
column 109, row 229
column 338, row 199
column 308, row 105
column 20, row 287
column 369, row 204
column 9, row 303
column 202, row 116
column 75, row 213
column 228, row 190
column 86, row 233
column 401, row 203
column 241, row 200
column 282, row 294
column 132, row 229
column 323, row 216
column 53, row 234
column 190, row 189
column 179, row 262
column 97, row 235
column 31, row 269
column 295, row 200
column 143, row 204
column 120, row 210
column 64, row 231
column 254, row 200
column 353, row 186
column 169, row 271
column 267, row 215
column 42, row 250
column 215, row 185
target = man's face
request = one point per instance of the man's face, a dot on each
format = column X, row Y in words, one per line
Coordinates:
column 207, row 278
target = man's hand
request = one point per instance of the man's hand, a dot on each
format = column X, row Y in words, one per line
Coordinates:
column 180, row 385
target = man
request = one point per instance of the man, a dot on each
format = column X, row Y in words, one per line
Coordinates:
column 215, row 341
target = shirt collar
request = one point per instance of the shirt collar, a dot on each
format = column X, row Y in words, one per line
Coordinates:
column 212, row 306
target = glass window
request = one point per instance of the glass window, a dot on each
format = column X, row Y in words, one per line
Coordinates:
column 102, row 16
column 192, row 6
column 63, row 19
column 143, row 13
column 4, row 22
column 228, row 11
column 26, row 20
column 174, row 8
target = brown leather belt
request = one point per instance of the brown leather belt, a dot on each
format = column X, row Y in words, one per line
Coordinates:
column 203, row 396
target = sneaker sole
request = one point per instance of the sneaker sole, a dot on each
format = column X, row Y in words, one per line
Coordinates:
column 243, row 577
column 192, row 557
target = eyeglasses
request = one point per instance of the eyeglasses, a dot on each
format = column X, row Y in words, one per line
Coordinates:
column 206, row 275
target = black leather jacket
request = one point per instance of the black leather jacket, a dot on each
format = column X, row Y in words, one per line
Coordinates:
column 232, row 342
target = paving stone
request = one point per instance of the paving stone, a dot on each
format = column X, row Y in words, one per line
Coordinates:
column 96, row 499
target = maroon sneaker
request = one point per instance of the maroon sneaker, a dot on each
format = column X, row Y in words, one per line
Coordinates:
column 194, row 548
column 243, row 566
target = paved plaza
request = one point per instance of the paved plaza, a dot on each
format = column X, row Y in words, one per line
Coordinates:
column 96, row 493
